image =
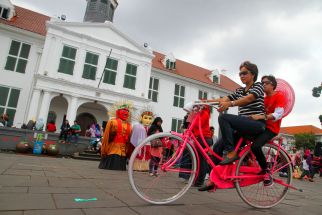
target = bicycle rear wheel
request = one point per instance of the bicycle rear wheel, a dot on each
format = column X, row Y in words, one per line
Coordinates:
column 171, row 181
column 256, row 194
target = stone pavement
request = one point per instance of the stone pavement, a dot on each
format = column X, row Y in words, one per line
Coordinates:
column 44, row 185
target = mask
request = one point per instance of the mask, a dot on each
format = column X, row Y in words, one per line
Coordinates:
column 123, row 114
column 146, row 120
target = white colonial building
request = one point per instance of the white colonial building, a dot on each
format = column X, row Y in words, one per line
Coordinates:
column 53, row 69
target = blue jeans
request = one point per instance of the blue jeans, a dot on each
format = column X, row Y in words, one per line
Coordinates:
column 244, row 125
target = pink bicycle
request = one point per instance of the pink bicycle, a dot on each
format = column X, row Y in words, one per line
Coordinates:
column 179, row 164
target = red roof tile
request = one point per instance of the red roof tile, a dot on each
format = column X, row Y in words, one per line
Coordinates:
column 28, row 20
column 194, row 72
column 301, row 129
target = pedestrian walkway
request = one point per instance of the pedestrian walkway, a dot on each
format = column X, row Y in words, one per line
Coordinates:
column 45, row 185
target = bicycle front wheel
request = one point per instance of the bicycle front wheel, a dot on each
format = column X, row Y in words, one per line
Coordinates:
column 171, row 171
column 252, row 190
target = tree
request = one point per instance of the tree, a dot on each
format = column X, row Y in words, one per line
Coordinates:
column 320, row 117
column 316, row 91
column 305, row 141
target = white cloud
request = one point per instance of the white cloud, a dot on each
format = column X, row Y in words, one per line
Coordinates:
column 282, row 37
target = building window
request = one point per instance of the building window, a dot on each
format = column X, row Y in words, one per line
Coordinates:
column 170, row 64
column 176, row 125
column 8, row 102
column 67, row 60
column 110, row 71
column 4, row 12
column 215, row 79
column 202, row 95
column 18, row 57
column 90, row 66
column 179, row 92
column 153, row 89
column 130, row 76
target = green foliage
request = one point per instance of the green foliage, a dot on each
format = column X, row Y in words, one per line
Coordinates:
column 316, row 91
column 320, row 117
column 305, row 141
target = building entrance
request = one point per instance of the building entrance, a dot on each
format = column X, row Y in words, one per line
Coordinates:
column 85, row 120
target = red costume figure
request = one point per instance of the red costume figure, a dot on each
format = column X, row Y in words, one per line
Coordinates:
column 116, row 144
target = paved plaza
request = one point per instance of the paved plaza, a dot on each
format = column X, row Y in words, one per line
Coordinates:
column 46, row 185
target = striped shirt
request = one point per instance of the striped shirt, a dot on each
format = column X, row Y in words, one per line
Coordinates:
column 256, row 106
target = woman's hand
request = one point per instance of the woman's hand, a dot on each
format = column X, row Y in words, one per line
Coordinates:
column 224, row 105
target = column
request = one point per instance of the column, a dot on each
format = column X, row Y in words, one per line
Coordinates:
column 43, row 113
column 34, row 104
column 72, row 110
column 120, row 75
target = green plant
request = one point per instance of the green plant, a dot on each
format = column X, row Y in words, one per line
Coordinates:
column 305, row 141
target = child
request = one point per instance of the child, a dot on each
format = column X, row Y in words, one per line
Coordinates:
column 156, row 150
column 306, row 167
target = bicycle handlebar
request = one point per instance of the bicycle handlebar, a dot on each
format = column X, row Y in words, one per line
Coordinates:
column 190, row 105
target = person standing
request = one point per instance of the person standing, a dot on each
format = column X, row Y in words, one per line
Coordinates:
column 214, row 137
column 64, row 129
column 116, row 140
column 156, row 150
column 307, row 166
column 139, row 133
column 205, row 130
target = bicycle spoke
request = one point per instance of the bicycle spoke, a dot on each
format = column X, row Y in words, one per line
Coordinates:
column 256, row 194
column 175, row 173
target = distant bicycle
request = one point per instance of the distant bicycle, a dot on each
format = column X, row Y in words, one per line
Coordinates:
column 170, row 184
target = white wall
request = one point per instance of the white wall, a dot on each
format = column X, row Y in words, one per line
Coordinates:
column 20, row 81
column 57, row 38
column 164, row 107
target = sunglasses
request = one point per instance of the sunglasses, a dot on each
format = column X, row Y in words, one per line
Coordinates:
column 243, row 73
column 266, row 82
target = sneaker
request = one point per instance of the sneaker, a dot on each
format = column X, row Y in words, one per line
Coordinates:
column 156, row 174
column 151, row 174
column 268, row 180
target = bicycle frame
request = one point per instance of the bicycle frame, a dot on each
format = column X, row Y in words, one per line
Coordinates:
column 223, row 176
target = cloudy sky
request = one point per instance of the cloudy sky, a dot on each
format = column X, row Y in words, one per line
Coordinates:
column 283, row 38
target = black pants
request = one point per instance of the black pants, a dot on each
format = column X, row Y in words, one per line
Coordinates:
column 186, row 163
column 154, row 164
column 242, row 124
column 258, row 143
column 219, row 146
column 203, row 168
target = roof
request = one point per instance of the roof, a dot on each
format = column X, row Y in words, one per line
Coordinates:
column 35, row 22
column 28, row 20
column 194, row 72
column 301, row 129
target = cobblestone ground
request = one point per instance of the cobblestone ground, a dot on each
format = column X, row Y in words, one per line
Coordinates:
column 46, row 185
